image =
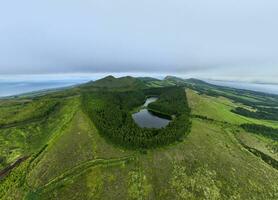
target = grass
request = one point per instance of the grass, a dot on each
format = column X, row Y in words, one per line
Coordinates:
column 75, row 145
column 70, row 160
column 219, row 108
column 209, row 155
column 28, row 137
column 208, row 146
column 207, row 150
column 258, row 142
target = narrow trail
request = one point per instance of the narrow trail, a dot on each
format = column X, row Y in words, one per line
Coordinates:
column 9, row 168
column 39, row 119
column 264, row 157
column 79, row 169
column 22, row 123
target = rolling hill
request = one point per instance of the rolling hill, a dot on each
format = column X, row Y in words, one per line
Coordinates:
column 81, row 142
column 110, row 82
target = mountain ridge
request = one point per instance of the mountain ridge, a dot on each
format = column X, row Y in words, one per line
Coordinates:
column 88, row 146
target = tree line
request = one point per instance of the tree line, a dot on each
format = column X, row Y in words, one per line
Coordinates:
column 261, row 130
column 260, row 113
column 110, row 111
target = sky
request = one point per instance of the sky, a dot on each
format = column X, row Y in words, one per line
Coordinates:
column 215, row 39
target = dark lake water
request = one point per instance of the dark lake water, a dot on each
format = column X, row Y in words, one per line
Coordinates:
column 147, row 119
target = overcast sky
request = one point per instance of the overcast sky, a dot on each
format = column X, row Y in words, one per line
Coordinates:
column 220, row 39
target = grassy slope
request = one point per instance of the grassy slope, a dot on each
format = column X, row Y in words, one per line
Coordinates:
column 76, row 147
column 218, row 108
column 208, row 164
column 26, row 137
column 77, row 144
column 110, row 82
column 207, row 147
column 258, row 142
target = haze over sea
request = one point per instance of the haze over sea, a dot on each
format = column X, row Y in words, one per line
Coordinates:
column 259, row 87
column 24, row 84
column 15, row 88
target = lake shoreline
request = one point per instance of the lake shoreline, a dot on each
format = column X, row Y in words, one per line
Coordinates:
column 150, row 118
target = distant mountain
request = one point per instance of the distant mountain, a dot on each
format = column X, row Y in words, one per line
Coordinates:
column 128, row 82
column 180, row 81
column 174, row 79
column 148, row 79
column 79, row 143
column 196, row 81
column 110, row 82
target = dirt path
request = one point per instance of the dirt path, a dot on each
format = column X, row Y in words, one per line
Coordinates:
column 7, row 170
column 79, row 169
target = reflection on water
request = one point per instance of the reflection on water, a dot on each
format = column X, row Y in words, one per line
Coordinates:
column 149, row 100
column 147, row 119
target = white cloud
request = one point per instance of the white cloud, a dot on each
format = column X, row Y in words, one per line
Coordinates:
column 228, row 39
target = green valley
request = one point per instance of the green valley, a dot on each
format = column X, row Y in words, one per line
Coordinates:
column 82, row 142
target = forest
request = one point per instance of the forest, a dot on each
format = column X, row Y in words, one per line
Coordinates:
column 261, row 130
column 171, row 102
column 110, row 111
column 261, row 113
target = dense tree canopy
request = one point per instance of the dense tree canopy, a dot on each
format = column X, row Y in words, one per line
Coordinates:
column 110, row 112
column 261, row 113
column 262, row 130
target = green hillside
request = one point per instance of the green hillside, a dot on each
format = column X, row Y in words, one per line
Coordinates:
column 82, row 143
column 112, row 83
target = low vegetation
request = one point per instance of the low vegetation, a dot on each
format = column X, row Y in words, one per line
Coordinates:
column 26, row 111
column 262, row 130
column 201, row 184
column 82, row 143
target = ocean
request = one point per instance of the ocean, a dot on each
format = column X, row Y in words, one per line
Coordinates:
column 9, row 88
column 266, row 88
column 15, row 87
